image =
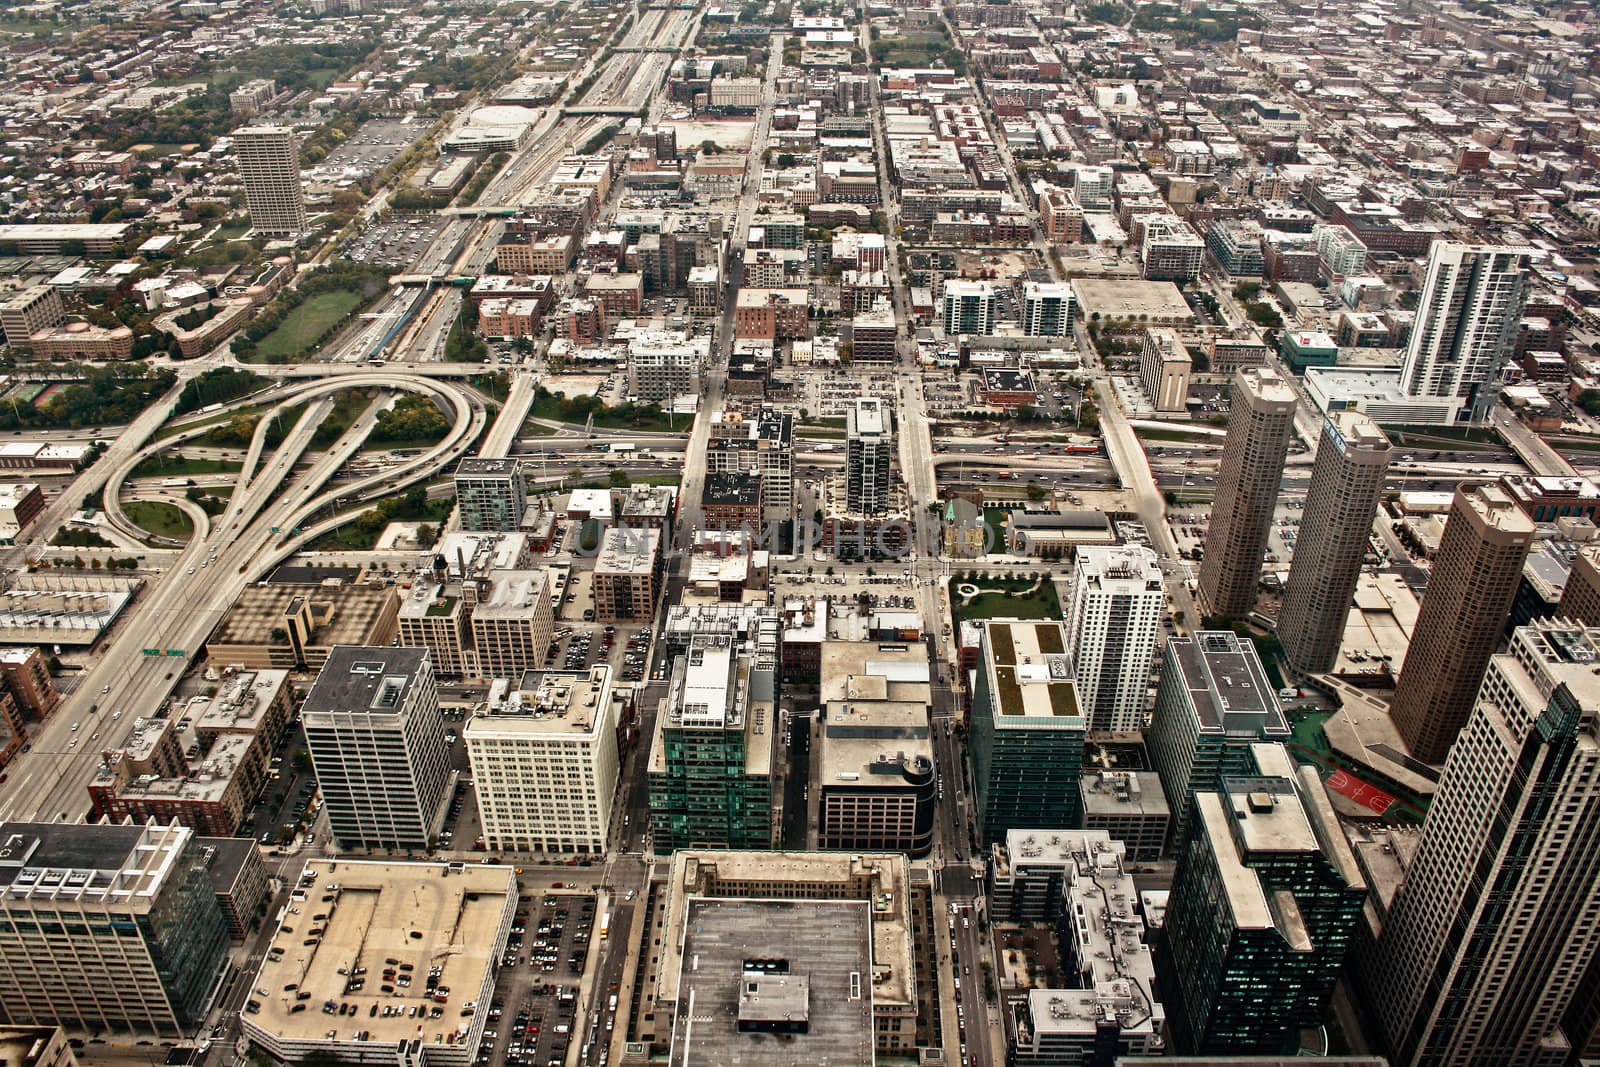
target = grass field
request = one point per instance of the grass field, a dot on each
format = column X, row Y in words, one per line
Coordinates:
column 306, row 323
column 160, row 518
column 181, row 466
column 1009, row 603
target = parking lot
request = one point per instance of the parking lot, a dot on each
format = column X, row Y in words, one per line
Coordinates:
column 399, row 243
column 376, row 144
column 578, row 647
column 533, row 1018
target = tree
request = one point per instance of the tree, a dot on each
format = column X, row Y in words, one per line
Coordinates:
column 1589, row 401
column 619, row 478
column 1036, row 491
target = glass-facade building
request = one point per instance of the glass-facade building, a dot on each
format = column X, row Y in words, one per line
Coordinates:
column 1026, row 738
column 1264, row 906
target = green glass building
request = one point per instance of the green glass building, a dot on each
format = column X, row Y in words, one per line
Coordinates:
column 1264, row 906
column 1026, row 739
column 711, row 758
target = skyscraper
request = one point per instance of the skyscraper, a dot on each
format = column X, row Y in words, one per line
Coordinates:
column 491, row 492
column 1115, row 611
column 1346, row 482
column 376, row 739
column 1213, row 703
column 1247, row 491
column 969, row 308
column 1046, row 309
column 866, row 459
column 1026, row 744
column 1486, row 943
column 1467, row 318
column 269, row 165
column 1265, row 903
column 1580, row 599
column 1474, row 579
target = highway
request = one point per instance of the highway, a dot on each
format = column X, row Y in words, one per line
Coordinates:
column 178, row 610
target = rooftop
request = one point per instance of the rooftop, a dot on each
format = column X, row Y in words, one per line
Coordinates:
column 545, row 703
column 256, row 617
column 1227, row 686
column 628, row 551
column 365, row 680
column 364, row 926
column 119, row 866
column 1031, row 675
column 485, row 466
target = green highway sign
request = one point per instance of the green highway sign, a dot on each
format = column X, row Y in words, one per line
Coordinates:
column 152, row 652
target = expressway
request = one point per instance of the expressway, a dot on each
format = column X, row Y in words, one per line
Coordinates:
column 179, row 610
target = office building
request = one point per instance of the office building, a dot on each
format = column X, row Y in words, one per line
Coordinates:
column 711, row 758
column 1213, row 702
column 868, row 438
column 1115, row 612
column 1046, row 309
column 1466, row 326
column 1341, row 252
column 872, row 761
column 295, row 625
column 1132, row 807
column 410, row 949
column 376, row 739
column 491, row 493
column 969, row 308
column 26, row 674
column 785, row 959
column 763, row 444
column 1026, row 741
column 627, row 572
column 107, row 929
column 511, row 626
column 29, row 311
column 1113, row 1007
column 1487, row 956
column 269, row 167
column 1470, row 589
column 1580, row 597
column 1265, row 904
column 1253, row 453
column 36, row 1046
column 544, row 761
column 1335, row 530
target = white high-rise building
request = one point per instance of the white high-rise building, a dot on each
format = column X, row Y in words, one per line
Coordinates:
column 1497, row 926
column 1046, row 309
column 867, row 454
column 1467, row 318
column 544, row 760
column 269, row 165
column 1117, row 600
column 969, row 308
column 376, row 738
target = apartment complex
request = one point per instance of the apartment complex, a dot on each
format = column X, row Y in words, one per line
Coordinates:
column 376, row 739
column 626, row 574
column 867, row 445
column 1026, row 741
column 544, row 761
column 1118, row 597
column 491, row 493
column 1470, row 589
column 1259, row 425
column 269, row 167
column 29, row 311
column 969, row 308
column 763, row 444
column 1046, row 309
column 107, row 928
column 1335, row 530
column 1165, row 368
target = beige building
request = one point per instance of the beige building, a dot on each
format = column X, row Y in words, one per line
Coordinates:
column 1580, row 599
column 1165, row 367
column 30, row 311
column 1341, row 502
column 81, row 340
column 544, row 759
column 293, row 626
column 1473, row 581
column 511, row 627
column 1259, row 425
column 35, row 1046
column 269, row 166
column 625, row 574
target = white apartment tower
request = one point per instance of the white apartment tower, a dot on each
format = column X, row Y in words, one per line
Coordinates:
column 1467, row 318
column 1483, row 951
column 376, row 738
column 969, row 308
column 1117, row 600
column 544, row 759
column 269, row 165
column 866, row 461
column 1046, row 309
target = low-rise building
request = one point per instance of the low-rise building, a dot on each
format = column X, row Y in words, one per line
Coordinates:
column 20, row 504
column 293, row 626
column 626, row 573
column 1131, row 807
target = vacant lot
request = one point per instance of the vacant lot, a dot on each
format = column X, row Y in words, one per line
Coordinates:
column 306, row 323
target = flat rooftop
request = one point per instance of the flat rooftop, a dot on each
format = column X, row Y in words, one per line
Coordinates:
column 628, row 551
column 485, row 466
column 389, row 918
column 1228, row 687
column 861, row 743
column 362, row 679
column 828, row 943
column 1031, row 674
column 352, row 611
column 1129, row 298
column 545, row 703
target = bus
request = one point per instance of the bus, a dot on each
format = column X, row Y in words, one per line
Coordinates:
column 605, row 926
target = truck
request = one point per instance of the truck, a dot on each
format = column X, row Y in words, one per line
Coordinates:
column 623, row 447
column 605, row 926
column 822, row 448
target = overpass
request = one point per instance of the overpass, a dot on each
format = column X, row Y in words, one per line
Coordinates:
column 621, row 111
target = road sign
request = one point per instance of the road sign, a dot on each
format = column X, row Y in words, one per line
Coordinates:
column 152, row 651
column 174, row 652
